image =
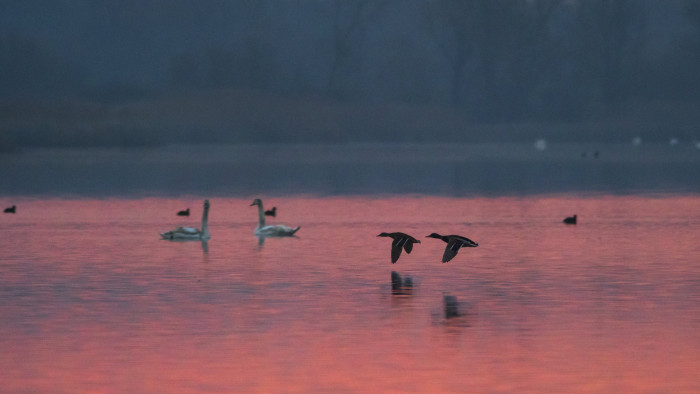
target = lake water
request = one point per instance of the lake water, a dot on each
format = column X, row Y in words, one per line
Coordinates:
column 92, row 300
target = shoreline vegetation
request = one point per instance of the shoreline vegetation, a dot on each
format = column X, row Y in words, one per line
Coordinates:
column 232, row 116
column 453, row 169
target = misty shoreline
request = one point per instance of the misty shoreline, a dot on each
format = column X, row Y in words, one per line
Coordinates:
column 233, row 116
column 330, row 169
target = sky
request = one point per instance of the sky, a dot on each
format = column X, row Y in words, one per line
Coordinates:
column 154, row 72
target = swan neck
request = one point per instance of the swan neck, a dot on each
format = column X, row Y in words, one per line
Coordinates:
column 205, row 221
column 261, row 216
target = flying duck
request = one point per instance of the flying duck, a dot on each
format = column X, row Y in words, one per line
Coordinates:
column 12, row 209
column 401, row 240
column 454, row 242
column 186, row 212
column 271, row 212
column 570, row 220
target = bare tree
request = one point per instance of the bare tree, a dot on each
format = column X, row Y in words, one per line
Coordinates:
column 605, row 37
column 348, row 17
column 448, row 24
column 492, row 48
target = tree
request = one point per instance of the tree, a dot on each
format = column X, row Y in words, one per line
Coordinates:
column 348, row 17
column 605, row 39
column 491, row 48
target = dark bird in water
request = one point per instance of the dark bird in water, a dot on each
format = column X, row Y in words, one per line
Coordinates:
column 186, row 212
column 271, row 212
column 454, row 242
column 12, row 209
column 570, row 220
column 401, row 240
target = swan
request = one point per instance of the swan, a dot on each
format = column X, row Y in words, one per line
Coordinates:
column 190, row 233
column 570, row 220
column 186, row 212
column 454, row 242
column 401, row 240
column 273, row 230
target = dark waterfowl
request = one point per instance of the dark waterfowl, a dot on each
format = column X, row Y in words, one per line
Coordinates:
column 454, row 242
column 12, row 209
column 570, row 220
column 401, row 241
column 271, row 212
column 186, row 212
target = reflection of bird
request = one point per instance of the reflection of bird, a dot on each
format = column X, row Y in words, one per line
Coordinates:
column 12, row 209
column 451, row 306
column 401, row 285
column 570, row 220
column 401, row 240
column 190, row 233
column 273, row 230
column 454, row 242
column 186, row 212
column 271, row 212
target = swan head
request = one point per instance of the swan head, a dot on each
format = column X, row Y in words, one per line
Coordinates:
column 434, row 235
column 257, row 202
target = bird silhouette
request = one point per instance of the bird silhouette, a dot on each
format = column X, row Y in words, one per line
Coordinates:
column 454, row 242
column 401, row 241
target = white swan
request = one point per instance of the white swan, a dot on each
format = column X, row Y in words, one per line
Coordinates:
column 273, row 230
column 190, row 233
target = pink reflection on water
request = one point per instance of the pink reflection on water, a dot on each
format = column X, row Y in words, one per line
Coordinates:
column 93, row 300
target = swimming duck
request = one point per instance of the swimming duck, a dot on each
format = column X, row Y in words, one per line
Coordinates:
column 401, row 240
column 273, row 230
column 12, row 209
column 190, row 233
column 186, row 212
column 570, row 220
column 271, row 212
column 454, row 242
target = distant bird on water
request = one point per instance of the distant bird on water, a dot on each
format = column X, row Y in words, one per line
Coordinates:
column 186, row 212
column 12, row 209
column 271, row 212
column 570, row 220
column 454, row 242
column 401, row 241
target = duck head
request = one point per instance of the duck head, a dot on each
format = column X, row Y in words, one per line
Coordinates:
column 434, row 235
column 383, row 235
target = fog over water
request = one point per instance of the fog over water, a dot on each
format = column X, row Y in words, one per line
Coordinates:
column 372, row 169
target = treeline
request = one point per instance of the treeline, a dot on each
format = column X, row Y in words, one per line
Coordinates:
column 498, row 60
column 493, row 61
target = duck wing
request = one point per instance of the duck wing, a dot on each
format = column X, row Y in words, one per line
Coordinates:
column 396, row 246
column 408, row 246
column 451, row 249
